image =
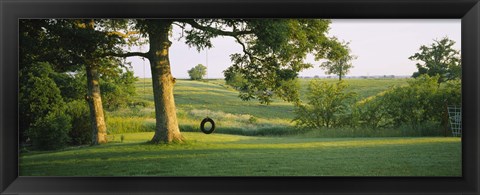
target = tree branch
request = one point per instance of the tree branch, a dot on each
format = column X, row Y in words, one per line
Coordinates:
column 123, row 35
column 250, row 55
column 128, row 54
column 196, row 25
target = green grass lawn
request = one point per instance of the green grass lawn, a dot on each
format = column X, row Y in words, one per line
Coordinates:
column 234, row 155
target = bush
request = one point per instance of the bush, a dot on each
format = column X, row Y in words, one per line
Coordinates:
column 81, row 131
column 327, row 105
column 51, row 132
column 38, row 95
column 414, row 106
column 234, row 78
column 373, row 112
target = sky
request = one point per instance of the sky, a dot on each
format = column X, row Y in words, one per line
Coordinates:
column 382, row 47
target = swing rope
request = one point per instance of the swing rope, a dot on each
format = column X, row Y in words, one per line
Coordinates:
column 206, row 63
column 205, row 120
column 144, row 75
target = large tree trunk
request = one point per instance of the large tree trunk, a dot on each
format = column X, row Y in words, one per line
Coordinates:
column 94, row 99
column 166, row 130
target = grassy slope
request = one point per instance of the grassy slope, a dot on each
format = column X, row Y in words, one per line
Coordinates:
column 215, row 95
column 195, row 100
column 233, row 155
column 220, row 154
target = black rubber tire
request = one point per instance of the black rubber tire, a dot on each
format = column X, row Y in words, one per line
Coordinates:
column 202, row 125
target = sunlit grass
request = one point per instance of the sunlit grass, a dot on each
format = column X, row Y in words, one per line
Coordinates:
column 232, row 155
column 196, row 100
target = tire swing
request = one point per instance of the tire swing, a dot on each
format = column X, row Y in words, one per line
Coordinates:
column 202, row 125
column 207, row 119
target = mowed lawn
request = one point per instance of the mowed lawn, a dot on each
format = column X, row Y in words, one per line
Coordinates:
column 234, row 155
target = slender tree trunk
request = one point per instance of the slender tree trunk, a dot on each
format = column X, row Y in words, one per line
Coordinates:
column 340, row 75
column 94, row 99
column 166, row 130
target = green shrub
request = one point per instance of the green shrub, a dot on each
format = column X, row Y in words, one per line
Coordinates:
column 327, row 105
column 38, row 95
column 420, row 106
column 81, row 132
column 234, row 78
column 51, row 132
column 372, row 112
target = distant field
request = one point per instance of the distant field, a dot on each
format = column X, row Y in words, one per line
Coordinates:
column 233, row 155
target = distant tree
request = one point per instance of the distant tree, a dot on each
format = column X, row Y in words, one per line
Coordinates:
column 197, row 72
column 339, row 66
column 438, row 59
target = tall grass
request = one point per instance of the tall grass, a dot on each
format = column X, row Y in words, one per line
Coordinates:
column 118, row 125
column 196, row 100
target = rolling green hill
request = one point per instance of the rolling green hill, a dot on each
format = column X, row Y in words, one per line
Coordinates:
column 196, row 100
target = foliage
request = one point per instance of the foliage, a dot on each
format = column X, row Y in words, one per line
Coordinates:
column 51, row 131
column 234, row 78
column 439, row 59
column 278, row 54
column 69, row 45
column 197, row 72
column 372, row 112
column 339, row 66
column 422, row 101
column 81, row 131
column 327, row 104
column 274, row 50
column 38, row 95
column 117, row 88
column 72, row 85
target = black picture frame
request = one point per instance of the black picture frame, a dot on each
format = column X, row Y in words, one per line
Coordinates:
column 466, row 10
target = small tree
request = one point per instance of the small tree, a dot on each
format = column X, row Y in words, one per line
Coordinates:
column 197, row 72
column 327, row 103
column 438, row 59
column 339, row 66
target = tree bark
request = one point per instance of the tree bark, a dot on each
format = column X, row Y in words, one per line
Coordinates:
column 340, row 75
column 166, row 130
column 94, row 99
